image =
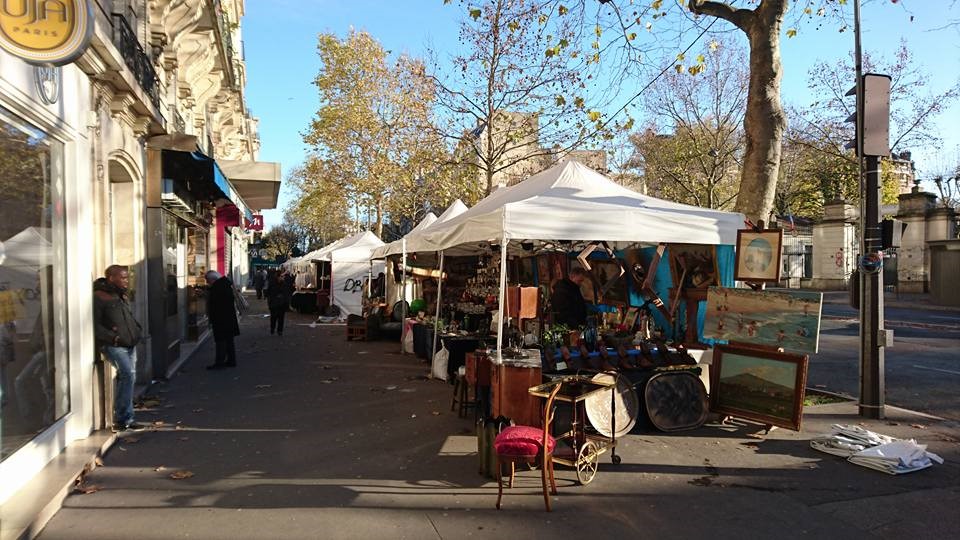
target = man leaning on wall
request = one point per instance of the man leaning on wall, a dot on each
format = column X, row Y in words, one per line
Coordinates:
column 117, row 333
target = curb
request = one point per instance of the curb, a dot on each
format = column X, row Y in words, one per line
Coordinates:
column 898, row 324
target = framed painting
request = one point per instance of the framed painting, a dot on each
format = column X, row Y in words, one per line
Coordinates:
column 758, row 256
column 526, row 273
column 558, row 265
column 693, row 266
column 778, row 319
column 759, row 385
column 611, row 280
column 543, row 270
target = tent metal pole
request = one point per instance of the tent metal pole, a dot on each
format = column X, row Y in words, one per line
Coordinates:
column 503, row 297
column 436, row 319
column 403, row 291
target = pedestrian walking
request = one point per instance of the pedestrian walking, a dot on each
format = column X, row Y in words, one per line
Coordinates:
column 259, row 280
column 222, row 312
column 278, row 300
column 117, row 333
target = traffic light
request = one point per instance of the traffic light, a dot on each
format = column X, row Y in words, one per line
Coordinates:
column 876, row 115
column 891, row 233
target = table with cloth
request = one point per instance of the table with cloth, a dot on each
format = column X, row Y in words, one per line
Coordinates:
column 458, row 346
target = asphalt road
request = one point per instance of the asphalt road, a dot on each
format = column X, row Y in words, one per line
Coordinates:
column 922, row 369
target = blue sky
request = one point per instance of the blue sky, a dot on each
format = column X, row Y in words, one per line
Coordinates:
column 280, row 47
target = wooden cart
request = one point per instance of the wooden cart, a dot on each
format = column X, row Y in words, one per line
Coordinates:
column 582, row 448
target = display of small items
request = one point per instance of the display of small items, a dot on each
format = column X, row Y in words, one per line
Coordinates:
column 633, row 344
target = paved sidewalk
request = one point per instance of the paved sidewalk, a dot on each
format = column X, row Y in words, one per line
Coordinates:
column 316, row 437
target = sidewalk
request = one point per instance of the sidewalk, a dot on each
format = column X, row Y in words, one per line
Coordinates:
column 316, row 437
column 893, row 300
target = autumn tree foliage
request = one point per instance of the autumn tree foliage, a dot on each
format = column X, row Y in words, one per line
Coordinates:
column 370, row 140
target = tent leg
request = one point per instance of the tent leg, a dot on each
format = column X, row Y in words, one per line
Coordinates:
column 436, row 319
column 503, row 298
column 403, row 293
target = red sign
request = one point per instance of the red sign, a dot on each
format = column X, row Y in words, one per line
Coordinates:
column 256, row 224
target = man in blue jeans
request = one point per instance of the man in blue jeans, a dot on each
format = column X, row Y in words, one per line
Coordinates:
column 117, row 333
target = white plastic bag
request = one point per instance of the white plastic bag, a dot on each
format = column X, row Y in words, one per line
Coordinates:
column 440, row 360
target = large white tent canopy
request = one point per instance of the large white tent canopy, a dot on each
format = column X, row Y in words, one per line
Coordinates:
column 396, row 247
column 570, row 201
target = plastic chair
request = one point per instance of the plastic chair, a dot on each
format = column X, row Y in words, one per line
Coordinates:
column 528, row 444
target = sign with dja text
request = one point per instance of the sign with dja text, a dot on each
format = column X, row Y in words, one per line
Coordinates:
column 45, row 32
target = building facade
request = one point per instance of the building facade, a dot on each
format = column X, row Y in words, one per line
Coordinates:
column 117, row 158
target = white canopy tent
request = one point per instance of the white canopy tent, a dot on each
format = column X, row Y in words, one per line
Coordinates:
column 349, row 260
column 570, row 201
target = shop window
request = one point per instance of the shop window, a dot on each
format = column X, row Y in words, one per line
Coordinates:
column 34, row 367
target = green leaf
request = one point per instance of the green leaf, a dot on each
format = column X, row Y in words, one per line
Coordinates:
column 701, row 59
column 656, row 4
column 561, row 101
column 475, row 13
column 562, row 10
column 791, row 32
column 597, row 30
column 632, row 36
column 680, row 57
column 593, row 116
column 578, row 101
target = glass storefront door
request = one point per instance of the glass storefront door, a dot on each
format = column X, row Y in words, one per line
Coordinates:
column 34, row 367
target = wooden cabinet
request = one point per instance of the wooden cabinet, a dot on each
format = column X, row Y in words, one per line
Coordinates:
column 510, row 385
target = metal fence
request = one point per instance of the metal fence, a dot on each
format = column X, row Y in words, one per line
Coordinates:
column 797, row 255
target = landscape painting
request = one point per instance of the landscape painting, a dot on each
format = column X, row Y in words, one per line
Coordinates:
column 788, row 320
column 763, row 386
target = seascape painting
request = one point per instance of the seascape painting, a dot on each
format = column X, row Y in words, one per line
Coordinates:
column 758, row 385
column 780, row 319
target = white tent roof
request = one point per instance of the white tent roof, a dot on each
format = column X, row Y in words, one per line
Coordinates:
column 397, row 245
column 571, row 201
column 356, row 248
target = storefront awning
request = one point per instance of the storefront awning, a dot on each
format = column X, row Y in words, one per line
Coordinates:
column 203, row 178
column 258, row 182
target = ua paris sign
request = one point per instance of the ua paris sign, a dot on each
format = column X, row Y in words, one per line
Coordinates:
column 45, row 32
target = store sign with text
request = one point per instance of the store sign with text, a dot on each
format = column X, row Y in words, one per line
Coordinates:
column 46, row 32
column 256, row 224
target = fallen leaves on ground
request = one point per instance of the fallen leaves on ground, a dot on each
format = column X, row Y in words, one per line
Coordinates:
column 198, row 410
column 180, row 475
column 98, row 461
column 84, row 489
column 918, row 426
column 158, row 423
column 159, row 468
column 131, row 440
column 263, row 386
column 184, row 438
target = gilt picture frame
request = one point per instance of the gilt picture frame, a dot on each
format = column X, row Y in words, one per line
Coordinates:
column 759, row 256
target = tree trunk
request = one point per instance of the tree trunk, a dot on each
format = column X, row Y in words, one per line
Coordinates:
column 765, row 120
column 379, row 223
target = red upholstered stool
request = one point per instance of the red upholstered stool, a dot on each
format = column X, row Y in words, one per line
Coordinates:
column 526, row 444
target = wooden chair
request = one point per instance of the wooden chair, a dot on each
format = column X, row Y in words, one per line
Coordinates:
column 527, row 444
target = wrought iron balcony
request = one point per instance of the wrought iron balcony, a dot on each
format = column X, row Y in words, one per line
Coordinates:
column 139, row 63
column 226, row 37
column 179, row 124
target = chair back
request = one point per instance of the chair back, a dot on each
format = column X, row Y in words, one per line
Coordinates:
column 548, row 414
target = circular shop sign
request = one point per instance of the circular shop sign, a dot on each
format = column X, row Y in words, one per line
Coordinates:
column 46, row 32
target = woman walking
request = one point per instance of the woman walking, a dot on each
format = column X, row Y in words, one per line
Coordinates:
column 278, row 300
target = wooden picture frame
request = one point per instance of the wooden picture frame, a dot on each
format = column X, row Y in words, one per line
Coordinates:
column 611, row 281
column 759, row 255
column 782, row 319
column 526, row 275
column 758, row 384
column 558, row 265
column 693, row 266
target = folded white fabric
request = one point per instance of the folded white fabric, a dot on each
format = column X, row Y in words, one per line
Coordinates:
column 869, row 449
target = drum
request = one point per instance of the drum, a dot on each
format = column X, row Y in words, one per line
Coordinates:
column 627, row 406
column 675, row 401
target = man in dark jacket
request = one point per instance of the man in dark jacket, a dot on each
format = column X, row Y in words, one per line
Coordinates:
column 569, row 307
column 222, row 312
column 117, row 333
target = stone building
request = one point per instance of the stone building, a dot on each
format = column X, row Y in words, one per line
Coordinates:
column 117, row 157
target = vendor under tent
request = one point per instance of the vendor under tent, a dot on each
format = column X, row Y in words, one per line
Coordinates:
column 393, row 292
column 571, row 203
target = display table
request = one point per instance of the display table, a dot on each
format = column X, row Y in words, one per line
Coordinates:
column 423, row 341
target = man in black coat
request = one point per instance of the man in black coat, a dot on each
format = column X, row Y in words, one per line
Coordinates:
column 222, row 312
column 567, row 301
column 117, row 333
